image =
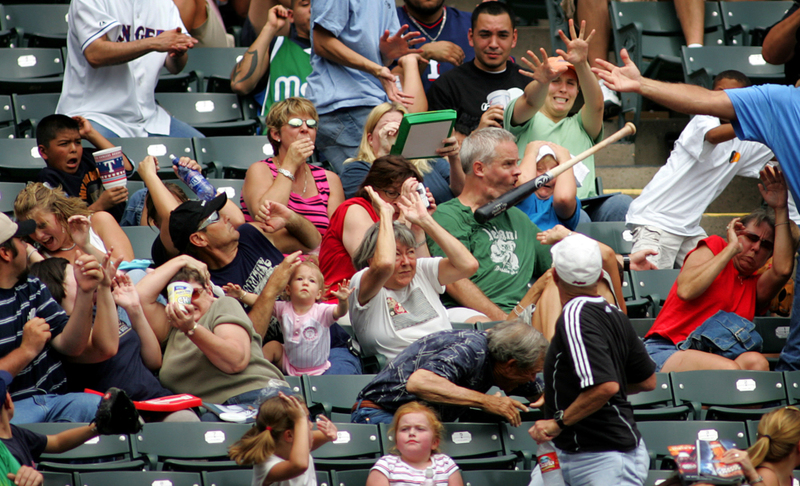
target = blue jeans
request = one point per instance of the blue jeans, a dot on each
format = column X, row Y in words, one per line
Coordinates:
column 343, row 363
column 177, row 129
column 133, row 211
column 605, row 468
column 72, row 407
column 371, row 416
column 339, row 134
column 790, row 356
column 613, row 209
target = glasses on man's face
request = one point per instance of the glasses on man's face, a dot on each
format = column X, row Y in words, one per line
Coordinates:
column 765, row 244
column 211, row 219
column 298, row 122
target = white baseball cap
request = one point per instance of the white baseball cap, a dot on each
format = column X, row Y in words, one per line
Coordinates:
column 10, row 229
column 577, row 260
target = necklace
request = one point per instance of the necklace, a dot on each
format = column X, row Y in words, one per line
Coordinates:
column 422, row 29
column 305, row 178
column 68, row 249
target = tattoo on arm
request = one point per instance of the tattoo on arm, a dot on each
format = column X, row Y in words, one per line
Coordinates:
column 253, row 65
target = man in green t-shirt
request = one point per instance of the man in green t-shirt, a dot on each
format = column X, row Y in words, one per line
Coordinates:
column 506, row 247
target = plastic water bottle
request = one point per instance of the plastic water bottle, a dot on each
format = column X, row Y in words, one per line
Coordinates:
column 549, row 465
column 428, row 477
column 195, row 180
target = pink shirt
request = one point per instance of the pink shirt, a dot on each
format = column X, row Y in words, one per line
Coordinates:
column 306, row 338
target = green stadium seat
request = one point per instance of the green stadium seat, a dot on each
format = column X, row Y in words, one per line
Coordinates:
column 188, row 446
column 702, row 64
column 31, row 70
column 746, row 23
column 754, row 392
column 213, row 114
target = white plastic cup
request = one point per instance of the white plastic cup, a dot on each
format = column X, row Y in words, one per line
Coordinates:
column 180, row 292
column 498, row 97
column 112, row 169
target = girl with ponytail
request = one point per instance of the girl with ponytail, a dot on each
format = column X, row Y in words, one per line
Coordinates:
column 280, row 443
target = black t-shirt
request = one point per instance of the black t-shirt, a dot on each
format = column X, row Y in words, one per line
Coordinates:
column 26, row 446
column 85, row 183
column 595, row 343
column 125, row 370
column 464, row 89
column 254, row 262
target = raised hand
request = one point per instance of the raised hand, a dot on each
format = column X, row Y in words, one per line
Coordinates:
column 278, row 16
column 734, row 229
column 109, row 268
column 625, row 79
column 388, row 81
column 387, row 136
column 35, row 334
column 327, row 427
column 84, row 127
column 233, row 290
column 344, row 290
column 88, row 272
column 299, row 150
column 443, row 51
column 398, row 45
column 78, row 227
column 295, row 409
column 283, row 272
column 412, row 208
column 125, row 294
column 383, row 208
column 273, row 215
column 543, row 70
column 773, row 187
column 180, row 316
column 577, row 45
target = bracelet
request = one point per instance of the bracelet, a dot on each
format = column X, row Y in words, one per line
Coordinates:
column 521, row 310
column 759, row 479
column 286, row 173
column 190, row 332
column 626, row 263
column 778, row 224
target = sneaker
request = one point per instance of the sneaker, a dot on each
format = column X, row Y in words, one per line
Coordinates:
column 611, row 104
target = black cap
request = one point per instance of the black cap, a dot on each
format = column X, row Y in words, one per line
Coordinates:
column 187, row 218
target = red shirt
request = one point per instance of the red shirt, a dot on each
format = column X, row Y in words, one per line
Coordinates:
column 334, row 261
column 729, row 292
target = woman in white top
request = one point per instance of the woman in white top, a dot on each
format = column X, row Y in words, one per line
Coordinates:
column 397, row 295
column 65, row 225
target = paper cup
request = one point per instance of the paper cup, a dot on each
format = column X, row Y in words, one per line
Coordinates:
column 498, row 97
column 112, row 170
column 180, row 292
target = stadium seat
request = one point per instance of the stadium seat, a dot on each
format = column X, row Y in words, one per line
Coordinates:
column 652, row 34
column 231, row 156
column 642, row 325
column 357, row 446
column 103, row 453
column 485, row 326
column 7, row 124
column 213, row 114
column 655, row 477
column 752, row 430
column 724, row 390
column 483, row 477
column 188, row 446
column 517, row 440
column 57, row 479
column 212, row 67
column 702, row 64
column 480, row 416
column 659, row 404
column 355, row 477
column 141, row 478
column 333, row 395
column 558, row 21
column 232, row 187
column 659, row 435
column 241, row 477
column 30, row 108
column 611, row 233
column 31, row 70
column 182, row 82
column 774, row 331
column 746, row 23
column 21, row 161
column 8, row 192
column 141, row 238
column 463, row 326
column 37, row 25
column 137, row 149
column 471, row 445
column 654, row 285
column 792, row 380
column 296, row 384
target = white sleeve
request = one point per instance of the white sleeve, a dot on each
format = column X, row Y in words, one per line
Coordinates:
column 753, row 157
column 90, row 20
column 428, row 268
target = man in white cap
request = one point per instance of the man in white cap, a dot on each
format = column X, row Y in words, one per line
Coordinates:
column 35, row 332
column 594, row 362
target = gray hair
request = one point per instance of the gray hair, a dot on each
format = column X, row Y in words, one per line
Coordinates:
column 481, row 144
column 519, row 341
column 761, row 215
column 366, row 249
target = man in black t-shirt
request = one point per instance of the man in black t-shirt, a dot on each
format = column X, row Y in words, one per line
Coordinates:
column 594, row 362
column 465, row 88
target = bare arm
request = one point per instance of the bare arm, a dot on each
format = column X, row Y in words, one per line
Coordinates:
column 412, row 81
column 588, row 402
column 532, row 98
column 577, row 51
column 104, row 52
column 381, row 268
column 112, row 235
column 126, row 297
column 69, row 439
column 644, row 386
column 720, row 134
column 75, row 337
column 702, row 267
column 255, row 62
column 469, row 295
column 356, row 223
column 779, row 45
column 104, row 337
column 775, row 193
column 336, row 196
column 261, row 313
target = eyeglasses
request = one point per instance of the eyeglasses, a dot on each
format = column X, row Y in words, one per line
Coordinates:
column 391, row 193
column 211, row 219
column 197, row 291
column 765, row 244
column 298, row 122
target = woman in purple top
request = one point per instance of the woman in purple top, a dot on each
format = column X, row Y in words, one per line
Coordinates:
column 286, row 178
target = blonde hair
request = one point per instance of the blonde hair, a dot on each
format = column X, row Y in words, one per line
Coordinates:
column 778, row 436
column 37, row 196
column 417, row 407
column 311, row 263
column 280, row 112
column 365, row 151
column 260, row 442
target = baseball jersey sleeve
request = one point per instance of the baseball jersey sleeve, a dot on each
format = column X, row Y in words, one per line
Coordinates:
column 91, row 20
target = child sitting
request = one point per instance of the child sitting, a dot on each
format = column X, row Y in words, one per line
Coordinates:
column 279, row 445
column 72, row 168
column 555, row 202
column 417, row 433
column 304, row 321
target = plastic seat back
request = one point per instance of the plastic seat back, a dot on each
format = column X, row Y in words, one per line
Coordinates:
column 723, row 390
column 232, row 156
column 192, row 446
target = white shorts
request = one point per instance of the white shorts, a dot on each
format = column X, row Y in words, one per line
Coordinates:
column 672, row 249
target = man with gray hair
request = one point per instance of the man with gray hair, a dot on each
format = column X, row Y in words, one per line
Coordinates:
column 453, row 370
column 506, row 247
column 594, row 362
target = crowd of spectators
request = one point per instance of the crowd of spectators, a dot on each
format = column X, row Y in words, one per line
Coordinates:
column 386, row 246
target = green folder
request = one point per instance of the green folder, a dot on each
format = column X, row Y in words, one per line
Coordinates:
column 420, row 134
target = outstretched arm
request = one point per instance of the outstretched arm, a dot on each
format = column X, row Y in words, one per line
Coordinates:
column 255, row 62
column 684, row 98
column 779, row 45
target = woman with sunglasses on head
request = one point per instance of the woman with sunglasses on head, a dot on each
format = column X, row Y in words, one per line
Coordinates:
column 286, row 177
column 718, row 289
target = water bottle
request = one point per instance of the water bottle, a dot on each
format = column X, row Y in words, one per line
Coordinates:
column 195, row 180
column 428, row 477
column 549, row 465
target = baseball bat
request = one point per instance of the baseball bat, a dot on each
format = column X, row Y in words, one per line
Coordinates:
column 514, row 196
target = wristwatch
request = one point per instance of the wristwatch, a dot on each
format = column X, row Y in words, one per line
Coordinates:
column 286, row 173
column 559, row 418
